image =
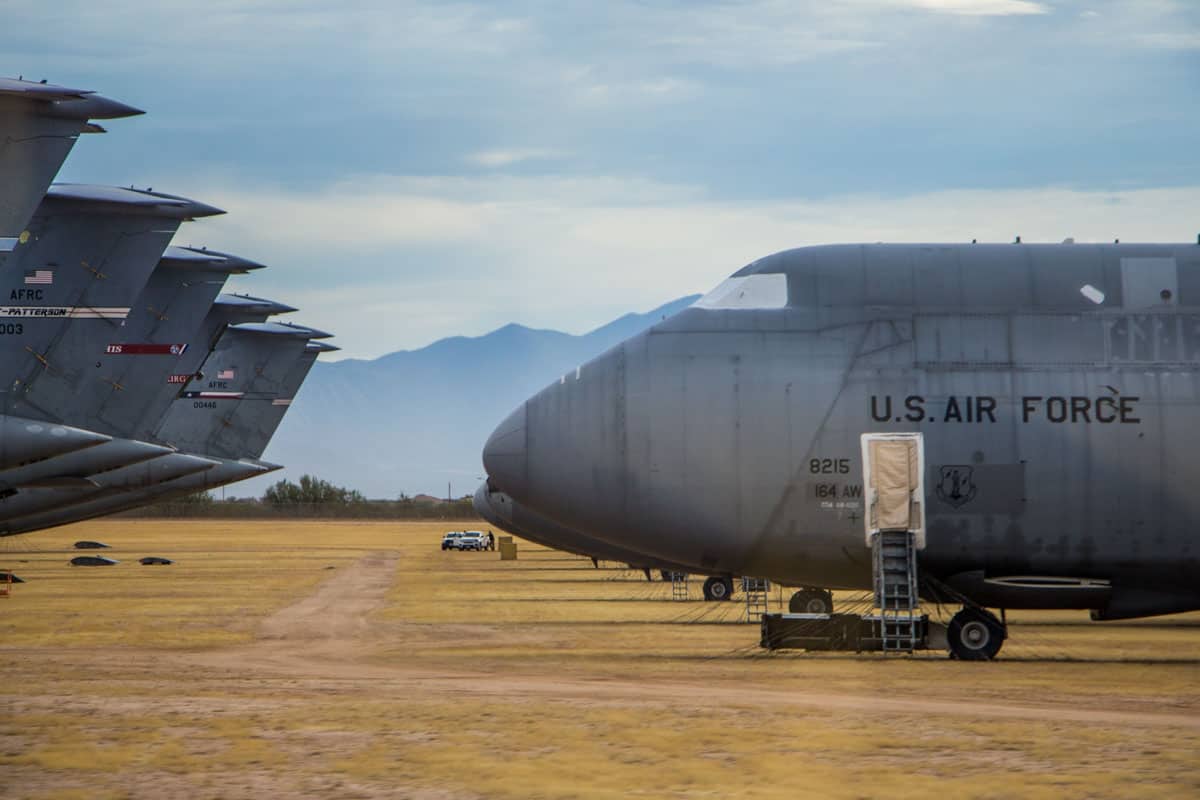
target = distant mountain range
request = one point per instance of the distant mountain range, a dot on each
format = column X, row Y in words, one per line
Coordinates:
column 414, row 421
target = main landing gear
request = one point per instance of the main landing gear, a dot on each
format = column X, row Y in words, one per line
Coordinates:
column 718, row 588
column 975, row 634
column 811, row 601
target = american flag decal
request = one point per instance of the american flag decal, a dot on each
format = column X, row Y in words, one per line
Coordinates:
column 39, row 277
column 226, row 375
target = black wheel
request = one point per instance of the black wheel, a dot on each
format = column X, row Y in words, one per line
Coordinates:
column 666, row 575
column 811, row 601
column 975, row 635
column 718, row 588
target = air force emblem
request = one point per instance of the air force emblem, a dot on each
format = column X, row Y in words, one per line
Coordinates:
column 955, row 487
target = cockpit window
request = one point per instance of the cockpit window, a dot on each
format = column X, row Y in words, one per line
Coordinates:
column 748, row 291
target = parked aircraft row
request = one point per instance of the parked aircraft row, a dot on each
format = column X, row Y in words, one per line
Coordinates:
column 126, row 375
column 1054, row 389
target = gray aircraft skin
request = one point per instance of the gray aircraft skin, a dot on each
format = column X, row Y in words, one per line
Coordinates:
column 71, row 470
column 86, row 252
column 228, row 310
column 250, row 365
column 90, row 252
column 260, row 418
column 39, row 124
column 223, row 472
column 256, row 357
column 501, row 511
column 120, row 390
column 26, row 441
column 163, row 324
column 259, row 354
column 1055, row 387
column 66, row 489
column 249, row 430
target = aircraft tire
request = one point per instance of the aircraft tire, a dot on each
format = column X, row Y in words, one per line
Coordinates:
column 717, row 589
column 666, row 574
column 975, row 635
column 811, row 601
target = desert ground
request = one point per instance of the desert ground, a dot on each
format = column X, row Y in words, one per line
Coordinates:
column 358, row 660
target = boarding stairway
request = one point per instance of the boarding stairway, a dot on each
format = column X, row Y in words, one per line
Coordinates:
column 679, row 586
column 895, row 566
column 757, row 592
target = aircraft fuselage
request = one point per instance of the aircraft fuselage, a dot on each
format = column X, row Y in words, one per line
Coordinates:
column 1056, row 387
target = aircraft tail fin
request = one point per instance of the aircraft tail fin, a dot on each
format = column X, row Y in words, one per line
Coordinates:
column 246, row 385
column 39, row 124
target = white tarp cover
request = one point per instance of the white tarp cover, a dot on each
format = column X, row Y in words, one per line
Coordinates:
column 894, row 477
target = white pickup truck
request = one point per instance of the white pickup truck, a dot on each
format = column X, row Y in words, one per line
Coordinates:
column 467, row 540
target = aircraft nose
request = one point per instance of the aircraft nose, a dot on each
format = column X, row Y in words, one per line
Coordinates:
column 505, row 455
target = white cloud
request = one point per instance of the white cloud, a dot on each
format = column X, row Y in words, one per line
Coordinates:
column 508, row 157
column 767, row 33
column 982, row 8
column 1176, row 40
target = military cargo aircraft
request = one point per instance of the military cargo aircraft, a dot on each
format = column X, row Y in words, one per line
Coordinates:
column 250, row 359
column 1054, row 388
column 257, row 412
column 110, row 380
column 158, row 391
column 89, row 252
column 86, row 253
column 103, row 330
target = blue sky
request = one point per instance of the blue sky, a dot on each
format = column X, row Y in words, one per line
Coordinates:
column 413, row 170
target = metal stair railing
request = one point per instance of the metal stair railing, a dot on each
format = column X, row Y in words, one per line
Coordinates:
column 895, row 568
column 757, row 594
column 679, row 586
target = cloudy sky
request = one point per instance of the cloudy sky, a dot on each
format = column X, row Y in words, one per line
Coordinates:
column 413, row 170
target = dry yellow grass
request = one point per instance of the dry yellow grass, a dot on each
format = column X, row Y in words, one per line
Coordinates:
column 358, row 660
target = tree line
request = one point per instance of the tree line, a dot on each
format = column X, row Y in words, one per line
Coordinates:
column 309, row 497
